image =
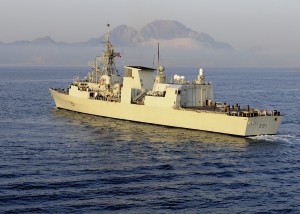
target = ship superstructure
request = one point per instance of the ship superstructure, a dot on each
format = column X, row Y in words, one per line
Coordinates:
column 143, row 95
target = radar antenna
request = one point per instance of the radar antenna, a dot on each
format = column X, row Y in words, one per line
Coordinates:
column 108, row 62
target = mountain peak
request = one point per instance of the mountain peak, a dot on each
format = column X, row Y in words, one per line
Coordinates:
column 164, row 29
column 174, row 30
column 43, row 41
column 123, row 35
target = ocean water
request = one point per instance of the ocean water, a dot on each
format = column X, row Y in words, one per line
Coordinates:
column 57, row 161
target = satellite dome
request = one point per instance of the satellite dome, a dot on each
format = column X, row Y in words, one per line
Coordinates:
column 161, row 68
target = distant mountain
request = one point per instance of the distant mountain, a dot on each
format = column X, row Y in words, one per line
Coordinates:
column 180, row 46
column 42, row 41
column 159, row 30
column 164, row 29
column 170, row 30
column 120, row 36
column 173, row 33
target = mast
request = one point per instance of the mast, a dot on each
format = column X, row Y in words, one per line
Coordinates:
column 108, row 62
column 157, row 57
column 160, row 76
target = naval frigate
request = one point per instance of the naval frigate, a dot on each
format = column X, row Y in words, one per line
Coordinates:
column 145, row 96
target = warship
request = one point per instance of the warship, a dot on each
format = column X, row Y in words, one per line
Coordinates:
column 143, row 95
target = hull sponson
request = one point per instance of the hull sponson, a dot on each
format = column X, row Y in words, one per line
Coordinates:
column 181, row 118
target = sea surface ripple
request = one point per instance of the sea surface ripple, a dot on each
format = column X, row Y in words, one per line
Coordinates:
column 57, row 161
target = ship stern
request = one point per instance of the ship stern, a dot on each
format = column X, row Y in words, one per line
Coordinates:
column 263, row 125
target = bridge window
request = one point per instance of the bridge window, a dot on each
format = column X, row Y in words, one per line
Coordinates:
column 128, row 72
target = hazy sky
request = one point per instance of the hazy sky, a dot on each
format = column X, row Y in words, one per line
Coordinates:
column 271, row 24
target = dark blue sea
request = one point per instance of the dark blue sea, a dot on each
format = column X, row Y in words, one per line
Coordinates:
column 57, row 161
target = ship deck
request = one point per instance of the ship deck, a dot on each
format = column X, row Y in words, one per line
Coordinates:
column 238, row 112
column 241, row 112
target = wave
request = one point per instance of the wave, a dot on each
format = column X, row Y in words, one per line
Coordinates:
column 278, row 138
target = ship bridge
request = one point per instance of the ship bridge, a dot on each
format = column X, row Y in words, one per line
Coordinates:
column 136, row 80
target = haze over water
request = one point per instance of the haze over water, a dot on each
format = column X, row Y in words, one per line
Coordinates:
column 263, row 33
column 60, row 161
